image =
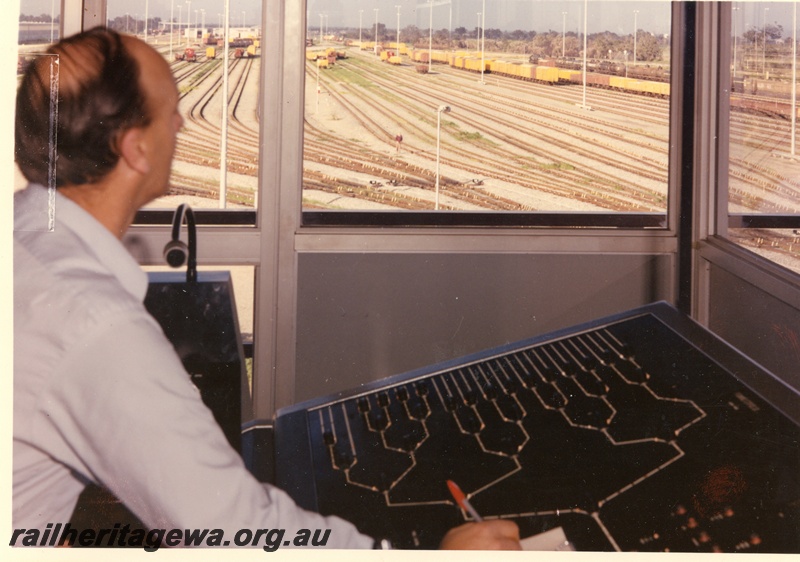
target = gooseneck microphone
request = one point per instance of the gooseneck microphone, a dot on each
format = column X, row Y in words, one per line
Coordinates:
column 176, row 252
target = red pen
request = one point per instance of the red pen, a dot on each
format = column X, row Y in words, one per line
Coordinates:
column 462, row 500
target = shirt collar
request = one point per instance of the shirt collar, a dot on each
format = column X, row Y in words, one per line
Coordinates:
column 108, row 249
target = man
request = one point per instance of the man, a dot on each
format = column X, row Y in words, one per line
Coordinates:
column 99, row 393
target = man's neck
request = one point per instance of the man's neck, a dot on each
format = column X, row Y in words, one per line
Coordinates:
column 114, row 209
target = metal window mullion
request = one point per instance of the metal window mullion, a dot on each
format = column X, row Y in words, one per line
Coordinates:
column 280, row 200
column 682, row 154
column 718, row 200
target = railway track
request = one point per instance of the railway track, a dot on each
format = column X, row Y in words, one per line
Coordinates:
column 404, row 105
column 753, row 180
column 485, row 153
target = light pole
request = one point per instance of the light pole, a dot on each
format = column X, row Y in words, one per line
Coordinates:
column 180, row 20
column 376, row 29
column 430, row 38
column 635, row 31
column 203, row 19
column 765, row 42
column 171, row 25
column 734, row 9
column 146, row 15
column 360, row 17
column 585, row 48
column 398, row 29
column 450, row 27
column 52, row 17
column 223, row 168
column 442, row 109
column 189, row 18
column 794, row 77
column 625, row 52
column 244, row 19
column 321, row 19
column 483, row 41
column 563, row 34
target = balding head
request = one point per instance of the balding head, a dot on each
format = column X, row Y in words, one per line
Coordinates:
column 95, row 80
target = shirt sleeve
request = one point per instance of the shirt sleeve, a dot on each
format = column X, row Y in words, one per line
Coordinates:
column 132, row 417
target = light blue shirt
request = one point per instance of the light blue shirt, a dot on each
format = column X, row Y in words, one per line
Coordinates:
column 100, row 395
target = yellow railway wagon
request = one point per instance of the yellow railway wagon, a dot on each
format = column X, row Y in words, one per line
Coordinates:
column 396, row 59
column 547, row 74
column 211, row 53
column 471, row 64
column 384, row 56
column 251, row 51
column 527, row 71
column 565, row 75
column 458, row 62
column 499, row 66
column 400, row 48
column 512, row 68
column 658, row 89
column 439, row 56
column 322, row 63
column 622, row 83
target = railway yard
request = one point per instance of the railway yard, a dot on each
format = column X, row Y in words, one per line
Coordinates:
column 505, row 145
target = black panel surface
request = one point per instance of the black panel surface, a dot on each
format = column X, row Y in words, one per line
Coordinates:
column 200, row 321
column 633, row 433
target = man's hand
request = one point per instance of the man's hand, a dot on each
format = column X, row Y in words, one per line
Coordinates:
column 496, row 534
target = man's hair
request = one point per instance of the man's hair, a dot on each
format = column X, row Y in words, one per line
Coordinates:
column 99, row 96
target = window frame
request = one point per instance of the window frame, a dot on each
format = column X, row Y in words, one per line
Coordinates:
column 712, row 247
column 489, row 219
column 280, row 236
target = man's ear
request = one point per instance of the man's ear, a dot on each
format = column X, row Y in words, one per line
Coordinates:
column 131, row 145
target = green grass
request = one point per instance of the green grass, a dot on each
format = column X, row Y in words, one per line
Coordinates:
column 557, row 166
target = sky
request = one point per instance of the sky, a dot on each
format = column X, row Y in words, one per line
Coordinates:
column 541, row 15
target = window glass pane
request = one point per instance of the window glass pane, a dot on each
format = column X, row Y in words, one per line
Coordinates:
column 764, row 168
column 38, row 26
column 197, row 31
column 487, row 100
column 190, row 34
column 38, row 22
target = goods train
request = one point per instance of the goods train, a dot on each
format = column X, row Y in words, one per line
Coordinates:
column 641, row 71
column 752, row 95
column 325, row 58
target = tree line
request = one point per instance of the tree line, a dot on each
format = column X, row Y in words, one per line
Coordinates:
column 41, row 18
column 604, row 45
